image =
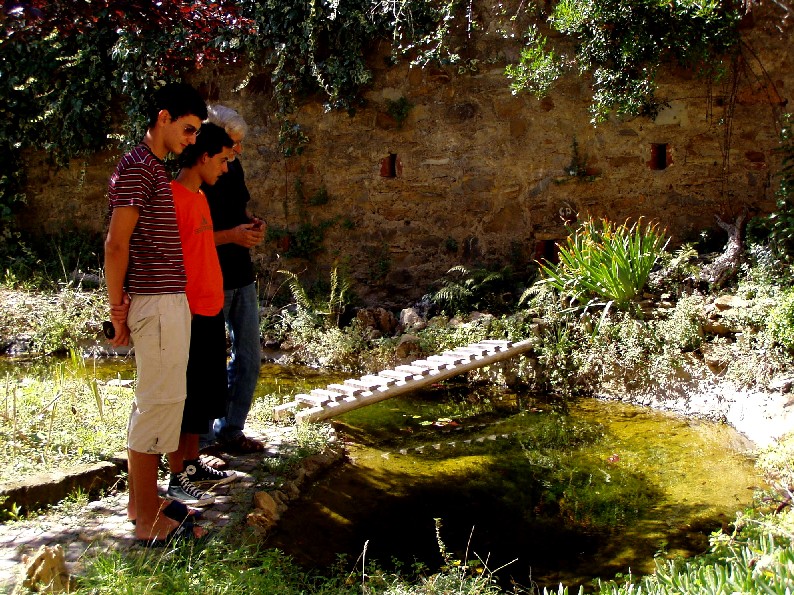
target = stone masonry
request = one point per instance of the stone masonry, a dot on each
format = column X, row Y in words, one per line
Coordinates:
column 476, row 175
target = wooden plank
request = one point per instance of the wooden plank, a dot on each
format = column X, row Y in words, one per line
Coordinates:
column 281, row 411
column 502, row 344
column 366, row 386
column 330, row 395
column 465, row 356
column 307, row 414
column 415, row 377
column 472, row 349
column 450, row 360
column 420, row 363
column 433, row 365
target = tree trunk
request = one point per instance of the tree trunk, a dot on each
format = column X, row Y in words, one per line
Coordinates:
column 725, row 265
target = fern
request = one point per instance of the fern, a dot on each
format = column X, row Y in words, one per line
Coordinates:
column 298, row 292
column 331, row 308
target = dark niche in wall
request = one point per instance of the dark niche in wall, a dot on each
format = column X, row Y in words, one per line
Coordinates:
column 660, row 156
column 391, row 166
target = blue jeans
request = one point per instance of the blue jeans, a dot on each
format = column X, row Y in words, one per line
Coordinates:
column 241, row 311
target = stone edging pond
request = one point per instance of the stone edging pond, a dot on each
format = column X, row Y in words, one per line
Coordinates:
column 762, row 416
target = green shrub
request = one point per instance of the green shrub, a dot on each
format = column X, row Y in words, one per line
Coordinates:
column 782, row 220
column 780, row 325
column 683, row 329
column 325, row 310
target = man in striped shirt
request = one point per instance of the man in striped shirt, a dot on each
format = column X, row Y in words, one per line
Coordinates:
column 145, row 277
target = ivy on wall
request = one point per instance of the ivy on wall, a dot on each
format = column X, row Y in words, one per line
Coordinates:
column 623, row 45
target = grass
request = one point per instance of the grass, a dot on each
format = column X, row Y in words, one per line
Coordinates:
column 235, row 566
column 52, row 322
column 62, row 418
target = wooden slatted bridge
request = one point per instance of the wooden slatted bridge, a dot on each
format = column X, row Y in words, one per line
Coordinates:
column 335, row 399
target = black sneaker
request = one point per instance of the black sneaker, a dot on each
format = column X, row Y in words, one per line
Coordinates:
column 180, row 488
column 197, row 472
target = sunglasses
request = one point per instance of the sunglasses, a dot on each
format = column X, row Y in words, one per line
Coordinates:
column 191, row 130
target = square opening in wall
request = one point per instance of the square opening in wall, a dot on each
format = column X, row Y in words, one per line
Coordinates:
column 390, row 167
column 659, row 156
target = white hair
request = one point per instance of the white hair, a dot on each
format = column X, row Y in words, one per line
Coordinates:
column 228, row 119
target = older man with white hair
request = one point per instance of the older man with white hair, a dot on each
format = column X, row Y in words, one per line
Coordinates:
column 237, row 230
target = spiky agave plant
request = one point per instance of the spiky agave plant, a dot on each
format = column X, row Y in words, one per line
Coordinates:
column 604, row 261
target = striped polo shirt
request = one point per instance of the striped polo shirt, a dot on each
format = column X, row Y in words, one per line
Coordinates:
column 155, row 263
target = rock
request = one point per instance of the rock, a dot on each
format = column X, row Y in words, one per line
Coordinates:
column 300, row 476
column 379, row 319
column 259, row 520
column 312, row 465
column 727, row 302
column 45, row 572
column 783, row 384
column 267, row 506
column 485, row 317
column 281, row 499
column 716, row 327
column 408, row 346
column 715, row 364
column 290, row 490
column 411, row 318
column 30, row 493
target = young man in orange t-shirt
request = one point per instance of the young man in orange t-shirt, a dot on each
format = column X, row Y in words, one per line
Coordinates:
column 207, row 394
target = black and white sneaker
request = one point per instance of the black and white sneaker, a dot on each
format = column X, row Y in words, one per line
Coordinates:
column 198, row 472
column 182, row 489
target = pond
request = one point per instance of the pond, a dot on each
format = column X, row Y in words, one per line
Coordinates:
column 548, row 496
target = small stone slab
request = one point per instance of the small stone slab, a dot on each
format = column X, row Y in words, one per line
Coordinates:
column 398, row 376
column 346, row 389
column 415, row 370
column 315, row 400
column 329, row 395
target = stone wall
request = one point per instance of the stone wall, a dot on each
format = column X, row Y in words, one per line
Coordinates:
column 475, row 175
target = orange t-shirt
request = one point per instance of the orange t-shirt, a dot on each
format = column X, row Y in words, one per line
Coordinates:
column 204, row 278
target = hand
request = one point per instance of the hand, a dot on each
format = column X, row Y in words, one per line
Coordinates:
column 118, row 313
column 250, row 234
column 121, row 334
column 118, row 316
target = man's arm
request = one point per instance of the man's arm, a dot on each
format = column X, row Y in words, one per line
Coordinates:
column 117, row 257
column 247, row 235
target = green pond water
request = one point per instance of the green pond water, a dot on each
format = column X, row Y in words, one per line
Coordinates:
column 549, row 496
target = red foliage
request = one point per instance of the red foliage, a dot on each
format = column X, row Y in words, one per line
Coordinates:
column 28, row 20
